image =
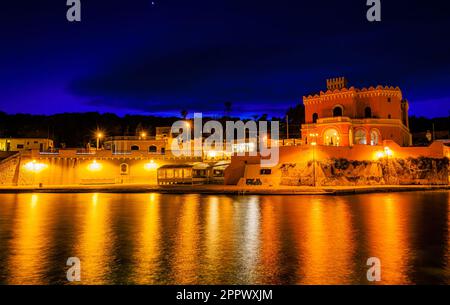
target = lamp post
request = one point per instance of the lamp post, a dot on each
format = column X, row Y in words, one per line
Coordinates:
column 314, row 144
column 99, row 136
column 388, row 153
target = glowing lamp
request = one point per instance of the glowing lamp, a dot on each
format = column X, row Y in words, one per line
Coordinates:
column 34, row 166
column 379, row 154
column 388, row 152
column 151, row 166
column 212, row 154
column 314, row 144
column 94, row 166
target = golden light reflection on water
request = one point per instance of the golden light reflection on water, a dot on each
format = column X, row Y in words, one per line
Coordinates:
column 95, row 244
column 388, row 222
column 212, row 233
column 324, row 241
column 148, row 242
column 270, row 239
column 29, row 241
column 186, row 250
column 447, row 250
column 194, row 239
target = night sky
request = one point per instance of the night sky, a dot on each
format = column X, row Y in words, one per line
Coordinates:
column 142, row 58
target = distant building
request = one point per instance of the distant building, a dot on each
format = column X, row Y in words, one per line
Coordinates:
column 22, row 144
column 344, row 116
column 125, row 144
column 163, row 133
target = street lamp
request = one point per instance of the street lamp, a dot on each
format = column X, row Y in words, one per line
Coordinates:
column 314, row 144
column 99, row 136
column 143, row 135
column 151, row 165
column 388, row 153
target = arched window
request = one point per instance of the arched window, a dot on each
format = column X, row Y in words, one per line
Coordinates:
column 315, row 118
column 374, row 137
column 123, row 169
column 152, row 149
column 360, row 137
column 331, row 137
column 368, row 112
column 134, row 147
column 337, row 111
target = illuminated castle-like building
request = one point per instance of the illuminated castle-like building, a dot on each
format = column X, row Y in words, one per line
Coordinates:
column 344, row 116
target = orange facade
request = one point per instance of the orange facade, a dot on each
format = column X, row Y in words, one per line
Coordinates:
column 344, row 116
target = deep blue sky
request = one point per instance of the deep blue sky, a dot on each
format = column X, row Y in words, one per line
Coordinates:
column 263, row 56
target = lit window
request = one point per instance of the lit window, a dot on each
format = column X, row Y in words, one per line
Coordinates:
column 360, row 137
column 331, row 137
column 374, row 138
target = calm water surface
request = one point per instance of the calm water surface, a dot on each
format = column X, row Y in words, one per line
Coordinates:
column 196, row 239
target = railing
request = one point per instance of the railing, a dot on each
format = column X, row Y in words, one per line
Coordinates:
column 334, row 119
column 121, row 152
column 85, row 152
column 52, row 151
column 129, row 138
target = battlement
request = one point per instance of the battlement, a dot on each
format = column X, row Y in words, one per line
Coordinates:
column 337, row 83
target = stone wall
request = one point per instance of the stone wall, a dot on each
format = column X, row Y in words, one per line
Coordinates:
column 334, row 172
column 8, row 169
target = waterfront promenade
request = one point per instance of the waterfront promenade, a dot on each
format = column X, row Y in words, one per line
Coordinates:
column 222, row 189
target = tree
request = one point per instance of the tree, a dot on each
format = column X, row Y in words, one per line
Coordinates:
column 184, row 114
column 228, row 106
column 296, row 115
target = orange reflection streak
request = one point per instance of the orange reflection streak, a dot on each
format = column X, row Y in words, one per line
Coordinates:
column 187, row 244
column 251, row 242
column 328, row 243
column 219, row 241
column 148, row 241
column 95, row 246
column 447, row 269
column 387, row 230
column 270, row 240
column 212, row 230
column 29, row 239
